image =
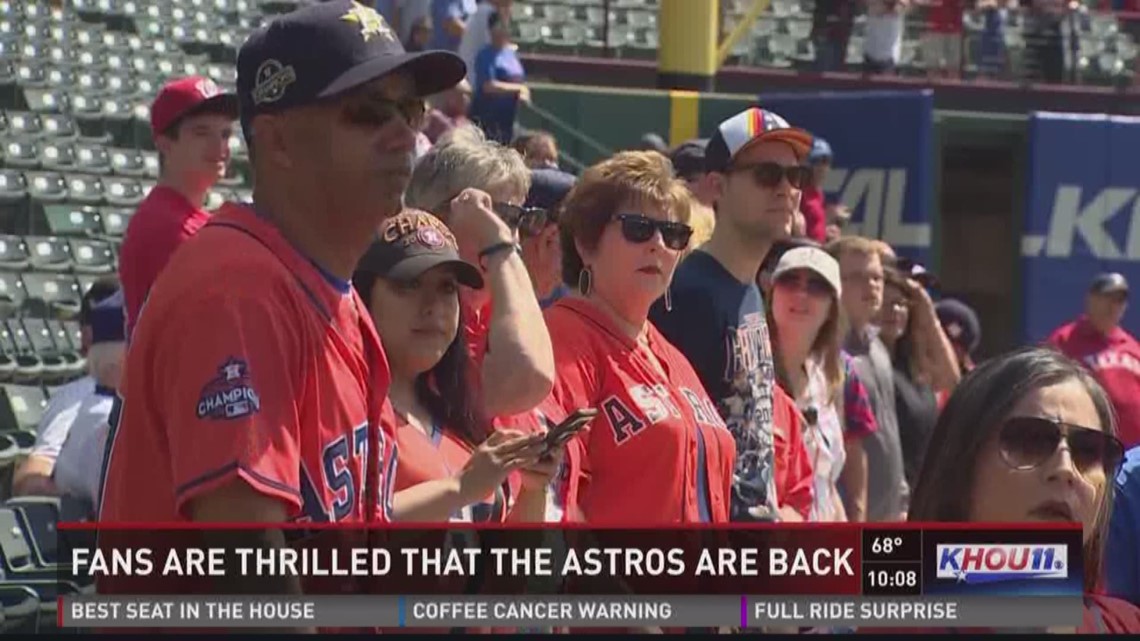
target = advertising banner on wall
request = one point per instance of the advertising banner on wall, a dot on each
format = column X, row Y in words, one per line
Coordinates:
column 1081, row 214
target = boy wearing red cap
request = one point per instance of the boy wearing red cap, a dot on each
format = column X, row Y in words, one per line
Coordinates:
column 192, row 122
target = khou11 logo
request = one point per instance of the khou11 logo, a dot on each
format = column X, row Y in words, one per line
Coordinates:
column 992, row 562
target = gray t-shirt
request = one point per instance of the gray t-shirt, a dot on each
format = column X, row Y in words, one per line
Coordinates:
column 887, row 491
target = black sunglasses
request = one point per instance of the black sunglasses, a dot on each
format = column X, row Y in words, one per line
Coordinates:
column 769, row 174
column 640, row 229
column 529, row 220
column 1027, row 442
column 374, row 112
column 814, row 285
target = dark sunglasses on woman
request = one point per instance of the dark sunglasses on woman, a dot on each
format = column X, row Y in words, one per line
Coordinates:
column 1027, row 442
column 769, row 174
column 814, row 285
column 365, row 110
column 640, row 229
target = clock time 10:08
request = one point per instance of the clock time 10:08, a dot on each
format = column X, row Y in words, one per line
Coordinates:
column 891, row 579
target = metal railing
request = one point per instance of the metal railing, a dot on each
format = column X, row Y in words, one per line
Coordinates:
column 1085, row 47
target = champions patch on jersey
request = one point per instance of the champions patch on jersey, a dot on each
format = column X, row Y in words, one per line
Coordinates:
column 230, row 394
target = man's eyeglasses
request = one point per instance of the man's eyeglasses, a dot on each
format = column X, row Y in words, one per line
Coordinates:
column 371, row 111
column 640, row 229
column 769, row 174
column 1027, row 442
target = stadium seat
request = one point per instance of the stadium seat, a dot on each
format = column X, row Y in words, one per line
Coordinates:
column 49, row 253
column 92, row 256
column 7, row 71
column 150, row 163
column 12, row 294
column 123, row 192
column 60, row 77
column 74, row 332
column 23, row 405
column 76, row 364
column 84, row 189
column 86, row 105
column 59, row 126
column 13, row 253
column 92, row 158
column 115, row 221
column 38, row 517
column 20, row 609
column 57, row 155
column 119, row 84
column 31, row 74
column 51, row 294
column 46, row 186
column 25, row 124
column 22, row 153
column 56, row 363
column 9, row 451
column 15, row 552
column 127, row 162
column 72, row 220
column 13, row 194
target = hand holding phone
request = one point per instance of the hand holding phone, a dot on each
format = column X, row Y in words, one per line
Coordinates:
column 564, row 431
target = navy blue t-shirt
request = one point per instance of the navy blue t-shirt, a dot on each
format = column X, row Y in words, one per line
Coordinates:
column 718, row 322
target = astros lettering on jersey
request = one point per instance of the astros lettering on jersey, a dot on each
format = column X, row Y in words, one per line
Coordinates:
column 251, row 363
column 637, row 462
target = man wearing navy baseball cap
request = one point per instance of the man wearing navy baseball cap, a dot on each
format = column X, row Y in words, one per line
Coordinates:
column 1097, row 340
column 541, row 248
column 253, row 328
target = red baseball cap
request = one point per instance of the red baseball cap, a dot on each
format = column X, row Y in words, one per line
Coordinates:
column 185, row 96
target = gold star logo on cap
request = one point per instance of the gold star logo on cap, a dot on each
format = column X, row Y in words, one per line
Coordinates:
column 371, row 23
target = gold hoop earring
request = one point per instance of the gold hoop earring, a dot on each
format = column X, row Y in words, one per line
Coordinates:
column 585, row 281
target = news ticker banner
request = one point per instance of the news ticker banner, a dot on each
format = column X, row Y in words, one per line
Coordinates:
column 529, row 611
column 788, row 560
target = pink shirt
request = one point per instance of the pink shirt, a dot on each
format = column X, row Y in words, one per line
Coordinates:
column 162, row 222
column 1115, row 361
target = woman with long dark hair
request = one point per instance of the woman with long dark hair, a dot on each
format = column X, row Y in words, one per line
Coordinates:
column 1030, row 437
column 923, row 360
column 452, row 464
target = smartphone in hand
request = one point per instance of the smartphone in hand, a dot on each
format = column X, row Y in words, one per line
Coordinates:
column 564, row 431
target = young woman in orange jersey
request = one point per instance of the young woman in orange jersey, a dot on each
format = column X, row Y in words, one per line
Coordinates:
column 451, row 464
column 658, row 451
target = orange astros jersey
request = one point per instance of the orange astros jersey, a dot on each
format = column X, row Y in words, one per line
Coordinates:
column 249, row 362
column 639, row 462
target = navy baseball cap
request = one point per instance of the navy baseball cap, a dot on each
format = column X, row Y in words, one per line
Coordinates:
column 960, row 322
column 820, row 151
column 548, row 187
column 322, row 50
column 1109, row 283
column 413, row 242
column 108, row 323
column 689, row 158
